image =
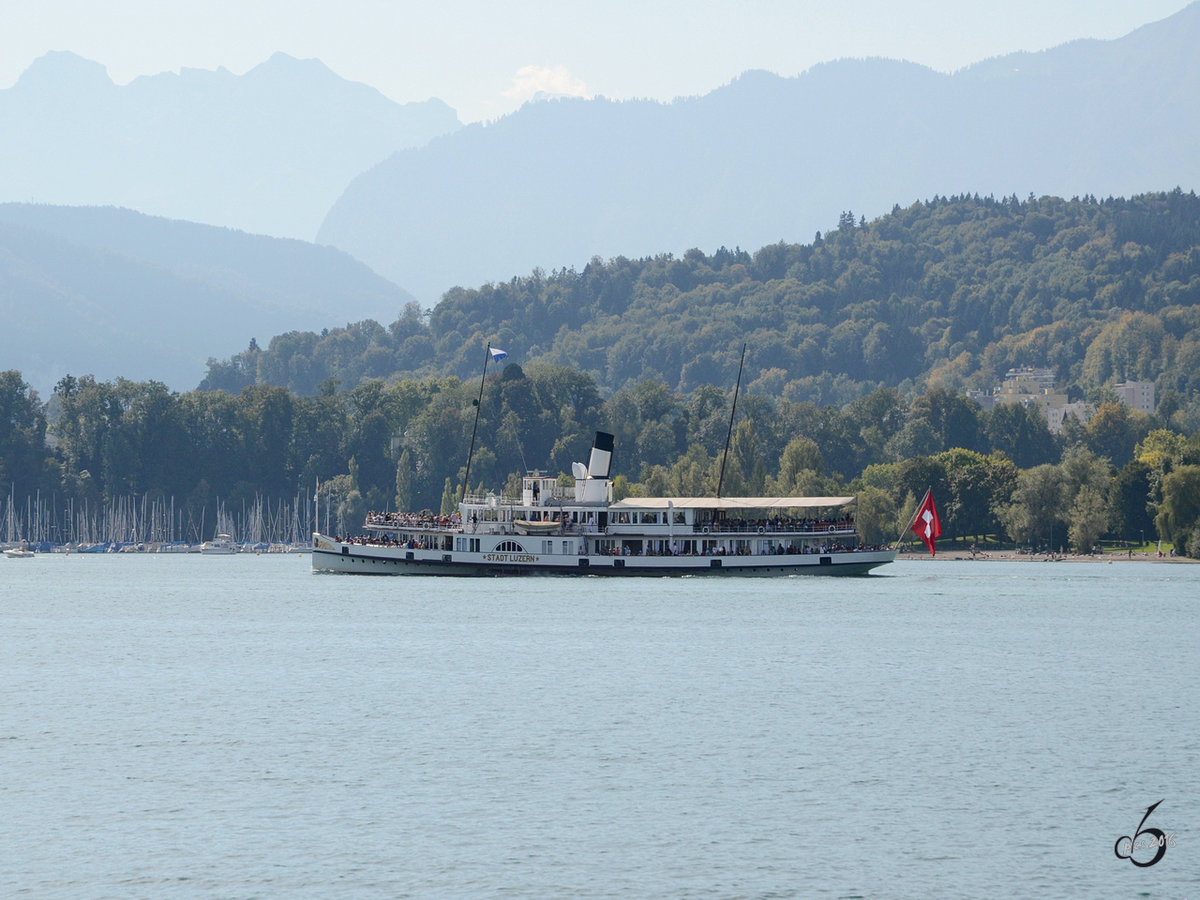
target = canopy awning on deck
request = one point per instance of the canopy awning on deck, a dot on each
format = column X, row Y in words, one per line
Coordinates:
column 730, row 503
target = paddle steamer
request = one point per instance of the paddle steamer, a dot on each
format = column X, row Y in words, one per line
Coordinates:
column 580, row 530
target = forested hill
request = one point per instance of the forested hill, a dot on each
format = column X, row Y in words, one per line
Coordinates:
column 951, row 293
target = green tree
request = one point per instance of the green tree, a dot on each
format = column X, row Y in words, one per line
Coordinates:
column 953, row 419
column 450, row 499
column 622, row 488
column 875, row 517
column 24, row 459
column 1021, row 433
column 800, row 455
column 1088, row 518
column 88, row 410
column 1128, row 349
column 318, row 426
column 706, row 414
column 919, row 474
column 341, row 497
column 966, row 510
column 163, row 461
column 404, row 493
column 1034, row 516
column 1161, row 451
column 439, row 439
column 213, row 424
column 1081, row 468
column 877, row 417
column 1129, row 513
column 745, row 450
column 916, row 438
column 265, row 426
column 693, row 474
column 1003, row 478
column 1179, row 512
column 655, row 481
column 1116, row 430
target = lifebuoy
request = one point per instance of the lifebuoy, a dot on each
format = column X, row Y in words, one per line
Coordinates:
column 762, row 530
column 831, row 529
column 704, row 529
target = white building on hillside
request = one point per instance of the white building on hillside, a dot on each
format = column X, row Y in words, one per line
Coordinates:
column 1137, row 394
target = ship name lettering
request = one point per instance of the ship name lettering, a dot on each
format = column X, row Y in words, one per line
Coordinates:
column 509, row 557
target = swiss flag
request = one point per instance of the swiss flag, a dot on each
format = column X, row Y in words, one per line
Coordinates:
column 926, row 525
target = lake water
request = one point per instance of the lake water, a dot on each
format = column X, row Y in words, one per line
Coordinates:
column 238, row 727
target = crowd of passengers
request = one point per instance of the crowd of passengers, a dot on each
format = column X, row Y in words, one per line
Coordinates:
column 422, row 520
column 362, row 540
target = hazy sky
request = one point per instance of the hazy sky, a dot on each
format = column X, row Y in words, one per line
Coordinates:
column 485, row 57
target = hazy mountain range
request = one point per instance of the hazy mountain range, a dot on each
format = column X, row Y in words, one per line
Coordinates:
column 268, row 151
column 111, row 292
column 768, row 158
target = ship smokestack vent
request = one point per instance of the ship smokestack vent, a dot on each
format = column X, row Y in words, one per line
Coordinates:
column 600, row 461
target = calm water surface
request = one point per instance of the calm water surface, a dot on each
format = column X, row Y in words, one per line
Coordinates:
column 239, row 727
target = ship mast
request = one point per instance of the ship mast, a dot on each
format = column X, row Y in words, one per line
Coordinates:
column 729, row 433
column 487, row 354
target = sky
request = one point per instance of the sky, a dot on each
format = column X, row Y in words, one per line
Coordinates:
column 485, row 58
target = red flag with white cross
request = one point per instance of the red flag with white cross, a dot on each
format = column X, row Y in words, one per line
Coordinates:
column 926, row 524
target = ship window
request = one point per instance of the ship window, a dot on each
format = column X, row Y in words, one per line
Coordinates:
column 509, row 547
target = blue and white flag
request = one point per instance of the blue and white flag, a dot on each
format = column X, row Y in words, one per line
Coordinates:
column 498, row 354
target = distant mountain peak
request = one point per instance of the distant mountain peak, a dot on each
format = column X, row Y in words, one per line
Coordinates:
column 268, row 151
column 62, row 69
column 281, row 65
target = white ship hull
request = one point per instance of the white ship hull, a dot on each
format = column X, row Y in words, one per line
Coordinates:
column 332, row 555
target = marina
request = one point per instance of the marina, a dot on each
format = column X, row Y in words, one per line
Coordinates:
column 145, row 524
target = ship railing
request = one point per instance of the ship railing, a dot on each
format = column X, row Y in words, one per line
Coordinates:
column 808, row 529
column 497, row 526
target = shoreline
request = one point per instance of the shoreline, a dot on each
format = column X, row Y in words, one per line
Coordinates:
column 1013, row 556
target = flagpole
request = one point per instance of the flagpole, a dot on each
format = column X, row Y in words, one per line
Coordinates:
column 916, row 511
column 478, row 403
